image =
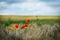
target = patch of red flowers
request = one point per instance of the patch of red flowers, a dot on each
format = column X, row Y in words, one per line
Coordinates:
column 24, row 26
column 16, row 26
column 28, row 20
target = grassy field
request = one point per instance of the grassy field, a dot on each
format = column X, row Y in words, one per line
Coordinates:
column 36, row 19
column 40, row 28
column 28, row 17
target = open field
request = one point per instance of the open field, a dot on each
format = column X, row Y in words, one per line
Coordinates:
column 39, row 28
column 37, row 19
column 28, row 17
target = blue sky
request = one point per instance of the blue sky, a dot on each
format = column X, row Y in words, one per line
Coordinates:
column 30, row 7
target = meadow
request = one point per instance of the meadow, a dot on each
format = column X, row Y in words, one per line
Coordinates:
column 38, row 28
column 28, row 17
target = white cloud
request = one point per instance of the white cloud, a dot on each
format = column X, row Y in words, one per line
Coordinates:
column 54, row 4
column 4, row 4
column 28, row 8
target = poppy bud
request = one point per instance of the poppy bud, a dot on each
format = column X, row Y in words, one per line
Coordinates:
column 9, row 28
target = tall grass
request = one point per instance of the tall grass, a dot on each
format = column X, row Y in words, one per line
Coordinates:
column 45, row 32
column 37, row 30
column 33, row 32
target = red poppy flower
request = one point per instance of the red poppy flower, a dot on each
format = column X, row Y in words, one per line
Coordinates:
column 28, row 20
column 24, row 25
column 9, row 28
column 16, row 26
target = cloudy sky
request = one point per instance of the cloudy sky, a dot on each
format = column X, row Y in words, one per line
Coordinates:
column 30, row 7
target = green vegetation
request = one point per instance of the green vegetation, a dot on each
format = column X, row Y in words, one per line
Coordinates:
column 45, row 29
column 38, row 22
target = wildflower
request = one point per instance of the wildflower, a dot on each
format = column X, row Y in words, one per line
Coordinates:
column 24, row 25
column 16, row 26
column 9, row 28
column 28, row 20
